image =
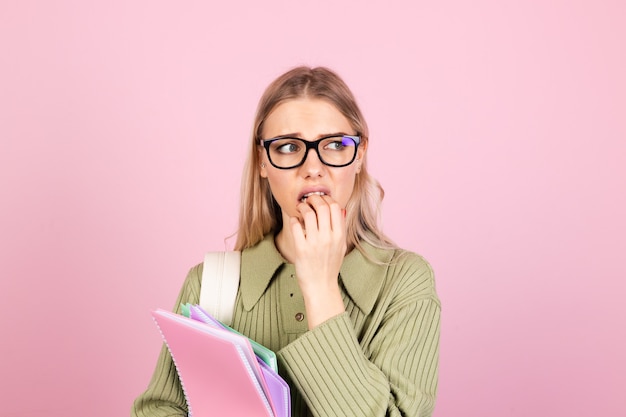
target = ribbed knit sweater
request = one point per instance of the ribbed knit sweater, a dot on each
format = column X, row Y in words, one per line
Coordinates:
column 378, row 358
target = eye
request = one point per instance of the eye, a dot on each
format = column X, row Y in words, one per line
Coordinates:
column 338, row 143
column 335, row 145
column 286, row 148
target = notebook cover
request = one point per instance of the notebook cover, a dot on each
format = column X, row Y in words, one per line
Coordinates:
column 278, row 389
column 198, row 313
column 218, row 371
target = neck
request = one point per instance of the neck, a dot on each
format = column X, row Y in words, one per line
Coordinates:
column 284, row 243
column 284, row 240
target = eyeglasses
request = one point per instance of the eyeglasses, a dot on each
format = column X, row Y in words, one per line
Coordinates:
column 337, row 151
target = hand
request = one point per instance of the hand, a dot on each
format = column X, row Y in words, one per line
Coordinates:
column 319, row 243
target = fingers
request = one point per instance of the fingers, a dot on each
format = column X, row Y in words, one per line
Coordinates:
column 297, row 231
column 337, row 216
column 321, row 213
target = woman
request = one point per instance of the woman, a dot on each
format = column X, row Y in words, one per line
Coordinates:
column 354, row 319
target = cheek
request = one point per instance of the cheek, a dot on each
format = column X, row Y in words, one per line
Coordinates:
column 345, row 187
column 280, row 187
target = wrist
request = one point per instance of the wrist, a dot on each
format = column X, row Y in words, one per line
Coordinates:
column 323, row 305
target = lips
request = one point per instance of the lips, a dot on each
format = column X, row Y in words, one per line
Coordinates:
column 306, row 193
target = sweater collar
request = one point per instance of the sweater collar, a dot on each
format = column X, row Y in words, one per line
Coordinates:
column 361, row 277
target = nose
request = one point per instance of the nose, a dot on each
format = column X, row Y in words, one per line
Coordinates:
column 312, row 165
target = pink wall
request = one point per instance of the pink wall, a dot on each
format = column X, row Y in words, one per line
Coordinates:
column 498, row 130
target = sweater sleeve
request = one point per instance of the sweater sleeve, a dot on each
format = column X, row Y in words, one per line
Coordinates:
column 394, row 375
column 164, row 396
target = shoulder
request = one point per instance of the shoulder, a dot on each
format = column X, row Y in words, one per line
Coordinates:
column 409, row 275
column 193, row 281
column 407, row 263
column 194, row 276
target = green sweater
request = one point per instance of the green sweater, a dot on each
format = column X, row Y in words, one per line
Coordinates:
column 379, row 358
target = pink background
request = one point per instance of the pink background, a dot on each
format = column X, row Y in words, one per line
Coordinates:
column 498, row 129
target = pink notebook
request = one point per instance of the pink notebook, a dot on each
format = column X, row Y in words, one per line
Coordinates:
column 217, row 368
column 277, row 387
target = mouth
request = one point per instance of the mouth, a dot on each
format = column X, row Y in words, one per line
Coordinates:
column 307, row 195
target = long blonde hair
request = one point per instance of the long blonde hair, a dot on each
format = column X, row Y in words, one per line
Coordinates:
column 259, row 213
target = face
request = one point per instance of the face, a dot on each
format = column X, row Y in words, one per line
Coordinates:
column 308, row 119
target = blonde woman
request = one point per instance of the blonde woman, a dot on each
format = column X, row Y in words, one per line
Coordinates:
column 354, row 319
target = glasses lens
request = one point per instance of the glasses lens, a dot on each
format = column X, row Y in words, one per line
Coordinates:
column 286, row 152
column 339, row 150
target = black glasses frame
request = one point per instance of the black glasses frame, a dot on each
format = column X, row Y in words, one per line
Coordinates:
column 311, row 145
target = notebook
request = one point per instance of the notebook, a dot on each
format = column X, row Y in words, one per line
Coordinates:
column 219, row 371
column 198, row 313
column 277, row 386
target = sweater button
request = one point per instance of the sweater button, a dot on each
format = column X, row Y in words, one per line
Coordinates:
column 299, row 316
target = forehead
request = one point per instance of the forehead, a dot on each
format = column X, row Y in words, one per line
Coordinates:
column 307, row 118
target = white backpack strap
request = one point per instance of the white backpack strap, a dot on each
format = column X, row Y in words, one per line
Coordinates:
column 220, row 282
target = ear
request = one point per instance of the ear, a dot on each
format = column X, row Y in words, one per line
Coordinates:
column 262, row 163
column 360, row 154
